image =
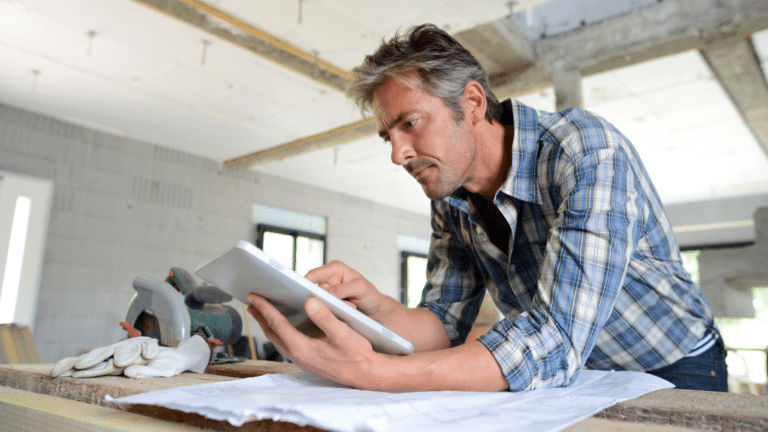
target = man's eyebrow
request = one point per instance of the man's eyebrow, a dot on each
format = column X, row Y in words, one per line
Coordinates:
column 383, row 132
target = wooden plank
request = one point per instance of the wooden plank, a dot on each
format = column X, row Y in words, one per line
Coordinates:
column 599, row 424
column 30, row 352
column 678, row 408
column 23, row 410
column 251, row 368
column 16, row 346
column 72, row 390
column 340, row 135
column 25, row 345
column 7, row 350
column 234, row 30
column 683, row 408
column 695, row 409
column 37, row 379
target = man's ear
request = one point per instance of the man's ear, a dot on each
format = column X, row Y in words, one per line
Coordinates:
column 476, row 104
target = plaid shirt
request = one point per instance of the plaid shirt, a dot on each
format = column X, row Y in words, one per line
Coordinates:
column 594, row 275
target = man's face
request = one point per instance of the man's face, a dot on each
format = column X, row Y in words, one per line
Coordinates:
column 426, row 140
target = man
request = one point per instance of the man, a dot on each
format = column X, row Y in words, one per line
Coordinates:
column 553, row 215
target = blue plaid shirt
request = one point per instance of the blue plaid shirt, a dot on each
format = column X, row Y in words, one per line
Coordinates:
column 593, row 275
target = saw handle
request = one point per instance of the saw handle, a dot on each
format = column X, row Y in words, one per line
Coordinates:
column 132, row 332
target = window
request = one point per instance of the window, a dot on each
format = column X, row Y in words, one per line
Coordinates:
column 414, row 275
column 295, row 239
column 299, row 250
column 413, row 252
column 746, row 338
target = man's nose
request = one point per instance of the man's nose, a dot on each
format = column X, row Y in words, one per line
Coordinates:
column 401, row 150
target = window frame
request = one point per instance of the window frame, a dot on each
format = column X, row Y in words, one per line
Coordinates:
column 295, row 234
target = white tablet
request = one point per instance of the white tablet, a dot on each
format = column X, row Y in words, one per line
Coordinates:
column 246, row 269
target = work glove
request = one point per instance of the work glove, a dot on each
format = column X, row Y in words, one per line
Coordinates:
column 107, row 367
column 193, row 354
column 110, row 360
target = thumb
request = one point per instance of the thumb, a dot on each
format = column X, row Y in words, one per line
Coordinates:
column 325, row 320
column 65, row 365
column 95, row 357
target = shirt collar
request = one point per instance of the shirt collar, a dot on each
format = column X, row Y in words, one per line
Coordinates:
column 521, row 182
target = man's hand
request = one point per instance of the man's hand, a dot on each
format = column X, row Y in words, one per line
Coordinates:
column 342, row 354
column 347, row 284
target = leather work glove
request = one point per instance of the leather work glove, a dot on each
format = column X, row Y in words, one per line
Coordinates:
column 193, row 354
column 107, row 367
column 109, row 360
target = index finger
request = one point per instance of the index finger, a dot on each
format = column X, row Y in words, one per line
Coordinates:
column 333, row 273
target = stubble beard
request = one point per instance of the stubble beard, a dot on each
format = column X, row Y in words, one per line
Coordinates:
column 440, row 189
column 443, row 180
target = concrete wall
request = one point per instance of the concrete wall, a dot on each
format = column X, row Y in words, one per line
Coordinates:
column 123, row 207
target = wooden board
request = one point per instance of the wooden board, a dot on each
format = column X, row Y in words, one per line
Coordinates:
column 695, row 409
column 37, row 379
column 250, row 368
column 683, row 408
column 664, row 410
column 16, row 346
column 23, row 410
column 598, row 424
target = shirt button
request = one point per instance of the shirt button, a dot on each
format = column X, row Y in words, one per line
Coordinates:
column 479, row 230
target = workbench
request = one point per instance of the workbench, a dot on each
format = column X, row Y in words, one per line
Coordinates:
column 31, row 400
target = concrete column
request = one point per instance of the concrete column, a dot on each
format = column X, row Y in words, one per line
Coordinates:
column 567, row 84
column 728, row 275
column 735, row 64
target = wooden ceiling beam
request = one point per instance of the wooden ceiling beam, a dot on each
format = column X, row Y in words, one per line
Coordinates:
column 232, row 29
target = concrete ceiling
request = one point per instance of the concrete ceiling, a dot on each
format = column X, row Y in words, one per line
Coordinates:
column 257, row 84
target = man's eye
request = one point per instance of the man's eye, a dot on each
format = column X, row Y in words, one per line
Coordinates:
column 408, row 124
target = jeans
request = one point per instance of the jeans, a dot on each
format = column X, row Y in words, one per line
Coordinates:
column 706, row 371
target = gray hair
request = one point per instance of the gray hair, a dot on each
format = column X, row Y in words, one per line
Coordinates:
column 444, row 66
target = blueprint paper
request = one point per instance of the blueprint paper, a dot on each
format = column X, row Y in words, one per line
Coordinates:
column 306, row 399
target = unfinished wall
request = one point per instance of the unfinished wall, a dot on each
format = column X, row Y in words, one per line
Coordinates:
column 123, row 207
column 729, row 274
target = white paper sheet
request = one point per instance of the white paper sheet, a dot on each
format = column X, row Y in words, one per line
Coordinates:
column 306, row 399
